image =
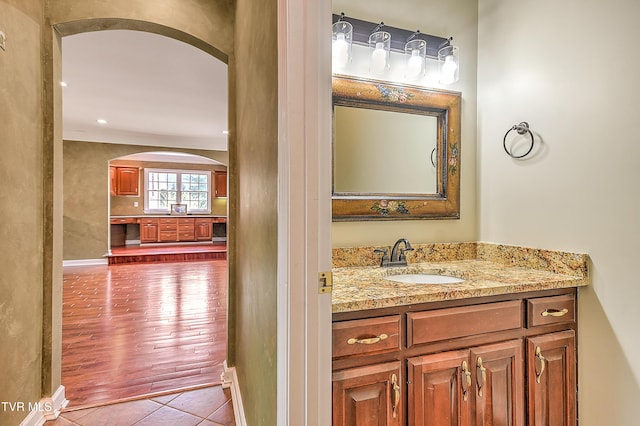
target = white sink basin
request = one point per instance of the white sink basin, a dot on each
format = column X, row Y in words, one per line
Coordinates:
column 424, row 279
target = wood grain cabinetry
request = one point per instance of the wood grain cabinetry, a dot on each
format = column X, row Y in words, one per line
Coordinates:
column 220, row 184
column 499, row 360
column 203, row 229
column 124, row 180
column 148, row 230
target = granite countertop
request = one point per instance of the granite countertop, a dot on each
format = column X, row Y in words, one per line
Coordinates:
column 487, row 270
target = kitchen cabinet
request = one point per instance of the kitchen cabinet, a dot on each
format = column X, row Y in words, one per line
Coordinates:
column 220, row 184
column 203, row 229
column 148, row 230
column 495, row 360
column 124, row 180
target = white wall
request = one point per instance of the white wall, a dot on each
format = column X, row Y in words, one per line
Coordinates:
column 572, row 70
column 456, row 18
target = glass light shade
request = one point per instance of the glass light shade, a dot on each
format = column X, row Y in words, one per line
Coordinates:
column 415, row 52
column 341, row 45
column 448, row 64
column 379, row 46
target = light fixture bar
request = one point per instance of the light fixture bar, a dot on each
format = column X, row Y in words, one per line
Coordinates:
column 363, row 29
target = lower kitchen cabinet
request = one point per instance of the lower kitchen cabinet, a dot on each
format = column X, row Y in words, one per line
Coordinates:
column 149, row 230
column 368, row 395
column 507, row 360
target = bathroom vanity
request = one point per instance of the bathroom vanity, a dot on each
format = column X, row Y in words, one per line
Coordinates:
column 496, row 348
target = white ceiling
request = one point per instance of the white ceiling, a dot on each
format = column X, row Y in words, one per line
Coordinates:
column 151, row 89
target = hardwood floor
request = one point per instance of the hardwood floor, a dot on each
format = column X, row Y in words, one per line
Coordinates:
column 141, row 329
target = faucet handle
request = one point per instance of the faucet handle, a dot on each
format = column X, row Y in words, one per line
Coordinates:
column 385, row 256
column 402, row 251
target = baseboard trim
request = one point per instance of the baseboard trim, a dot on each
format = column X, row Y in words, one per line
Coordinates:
column 85, row 262
column 46, row 409
column 230, row 380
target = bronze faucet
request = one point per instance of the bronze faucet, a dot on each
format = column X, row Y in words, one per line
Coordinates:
column 398, row 257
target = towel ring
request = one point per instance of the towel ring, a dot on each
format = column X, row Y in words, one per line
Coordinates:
column 521, row 128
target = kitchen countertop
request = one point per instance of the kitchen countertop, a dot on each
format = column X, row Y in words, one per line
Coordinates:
column 487, row 270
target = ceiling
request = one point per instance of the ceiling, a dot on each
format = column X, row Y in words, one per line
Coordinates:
column 151, row 90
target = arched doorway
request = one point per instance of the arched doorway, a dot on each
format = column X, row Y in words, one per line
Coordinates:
column 176, row 290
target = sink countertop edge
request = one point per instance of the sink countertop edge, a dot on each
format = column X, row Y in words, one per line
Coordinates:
column 364, row 287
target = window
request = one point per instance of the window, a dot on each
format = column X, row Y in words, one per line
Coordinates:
column 164, row 187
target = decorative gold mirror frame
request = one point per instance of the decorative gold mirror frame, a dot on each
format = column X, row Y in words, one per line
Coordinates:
column 445, row 203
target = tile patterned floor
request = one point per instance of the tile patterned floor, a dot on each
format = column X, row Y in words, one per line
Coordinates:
column 210, row 406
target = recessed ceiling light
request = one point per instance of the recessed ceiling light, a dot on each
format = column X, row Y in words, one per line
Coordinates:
column 225, row 132
column 101, row 121
column 63, row 84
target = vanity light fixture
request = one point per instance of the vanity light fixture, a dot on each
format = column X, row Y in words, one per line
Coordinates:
column 415, row 52
column 383, row 39
column 448, row 64
column 341, row 43
column 380, row 47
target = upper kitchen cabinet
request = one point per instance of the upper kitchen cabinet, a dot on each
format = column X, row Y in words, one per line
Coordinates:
column 221, row 184
column 124, row 180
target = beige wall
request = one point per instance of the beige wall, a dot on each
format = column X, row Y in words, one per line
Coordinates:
column 568, row 68
column 86, row 195
column 21, row 212
column 255, row 206
column 457, row 18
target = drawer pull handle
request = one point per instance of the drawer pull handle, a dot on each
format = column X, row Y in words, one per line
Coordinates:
column 541, row 360
column 466, row 380
column 369, row 341
column 396, row 392
column 555, row 312
column 481, row 372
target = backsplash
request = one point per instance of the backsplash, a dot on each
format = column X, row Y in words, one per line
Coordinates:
column 515, row 256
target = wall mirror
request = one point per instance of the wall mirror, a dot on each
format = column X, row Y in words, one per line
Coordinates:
column 396, row 151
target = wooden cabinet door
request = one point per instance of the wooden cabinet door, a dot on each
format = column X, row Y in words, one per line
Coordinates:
column 128, row 178
column 113, row 180
column 369, row 396
column 149, row 232
column 440, row 389
column 551, row 379
column 498, row 372
column 204, row 230
column 220, row 184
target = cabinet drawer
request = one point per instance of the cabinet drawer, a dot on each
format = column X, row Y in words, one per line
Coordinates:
column 186, row 228
column 168, row 221
column 452, row 323
column 168, row 226
column 151, row 220
column 187, row 236
column 168, row 236
column 123, row 220
column 551, row 310
column 204, row 220
column 186, row 221
column 371, row 335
